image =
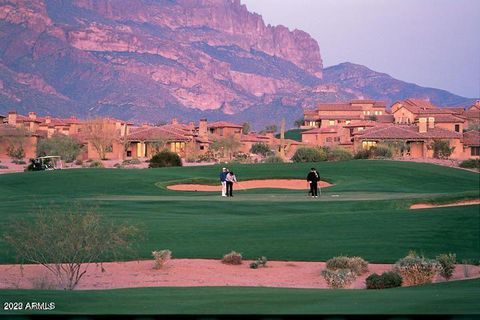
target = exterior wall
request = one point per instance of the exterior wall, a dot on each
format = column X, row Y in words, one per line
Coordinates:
column 226, row 131
column 402, row 115
column 450, row 126
column 417, row 149
column 115, row 154
column 29, row 147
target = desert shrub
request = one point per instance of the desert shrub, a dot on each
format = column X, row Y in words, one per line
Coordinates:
column 240, row 157
column 161, row 258
column 356, row 264
column 441, row 149
column 207, row 157
column 118, row 166
column 66, row 242
column 416, row 270
column 447, row 264
column 165, row 158
column 3, row 167
column 131, row 161
column 96, row 164
column 306, row 154
column 67, row 147
column 273, row 159
column 386, row 280
column 260, row 262
column 362, row 154
column 232, row 258
column 381, row 151
column 261, row 149
column 340, row 278
column 16, row 152
column 78, row 162
column 470, row 163
column 339, row 154
column 16, row 161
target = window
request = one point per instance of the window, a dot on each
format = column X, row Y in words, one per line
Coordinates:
column 336, row 139
column 347, row 121
column 457, row 128
column 202, row 147
column 475, row 151
column 368, row 144
column 331, row 122
column 129, row 153
column 329, row 139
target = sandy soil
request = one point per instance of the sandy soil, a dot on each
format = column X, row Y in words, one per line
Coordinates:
column 293, row 184
column 455, row 204
column 196, row 273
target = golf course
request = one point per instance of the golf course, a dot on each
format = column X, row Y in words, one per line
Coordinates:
column 365, row 212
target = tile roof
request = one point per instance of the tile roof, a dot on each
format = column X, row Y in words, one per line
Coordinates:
column 154, row 133
column 223, row 124
column 338, row 107
column 328, row 129
column 385, row 118
column 471, row 138
column 363, row 123
column 406, row 132
column 446, row 118
column 7, row 130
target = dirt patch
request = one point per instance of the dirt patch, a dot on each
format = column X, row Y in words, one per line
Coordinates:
column 197, row 273
column 454, row 204
column 292, row 184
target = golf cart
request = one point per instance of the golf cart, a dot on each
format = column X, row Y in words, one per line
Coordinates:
column 46, row 163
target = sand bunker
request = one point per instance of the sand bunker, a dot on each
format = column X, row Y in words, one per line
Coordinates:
column 292, row 184
column 458, row 203
column 197, row 273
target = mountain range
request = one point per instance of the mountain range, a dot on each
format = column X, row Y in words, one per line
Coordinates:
column 151, row 60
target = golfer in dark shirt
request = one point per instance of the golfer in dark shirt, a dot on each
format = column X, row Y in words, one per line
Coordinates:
column 313, row 179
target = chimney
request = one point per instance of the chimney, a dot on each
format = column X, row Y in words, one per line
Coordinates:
column 12, row 118
column 202, row 128
column 32, row 115
column 431, row 122
column 422, row 125
column 48, row 119
column 174, row 121
column 145, row 125
column 477, row 103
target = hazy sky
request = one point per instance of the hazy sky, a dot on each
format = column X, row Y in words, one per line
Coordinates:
column 433, row 43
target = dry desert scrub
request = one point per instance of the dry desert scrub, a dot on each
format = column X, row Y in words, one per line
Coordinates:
column 356, row 264
column 161, row 258
column 232, row 258
column 416, row 270
column 339, row 278
column 447, row 264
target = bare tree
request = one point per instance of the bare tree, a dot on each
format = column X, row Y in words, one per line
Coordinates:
column 66, row 242
column 226, row 146
column 101, row 133
column 15, row 140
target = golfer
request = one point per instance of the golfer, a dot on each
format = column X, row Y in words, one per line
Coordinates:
column 231, row 179
column 223, row 181
column 313, row 178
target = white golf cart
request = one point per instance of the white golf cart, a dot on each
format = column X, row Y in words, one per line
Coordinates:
column 47, row 163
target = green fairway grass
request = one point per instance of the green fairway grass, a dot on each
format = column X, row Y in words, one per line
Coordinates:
column 365, row 213
column 368, row 214
column 460, row 297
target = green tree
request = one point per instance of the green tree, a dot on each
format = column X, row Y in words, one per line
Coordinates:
column 165, row 158
column 246, row 128
column 441, row 149
column 261, row 149
column 271, row 128
column 226, row 146
column 299, row 122
column 68, row 148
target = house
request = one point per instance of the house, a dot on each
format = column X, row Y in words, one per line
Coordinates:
column 331, row 114
column 418, row 139
column 328, row 136
column 472, row 116
column 471, row 144
column 13, row 138
column 411, row 110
